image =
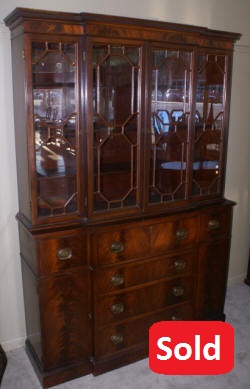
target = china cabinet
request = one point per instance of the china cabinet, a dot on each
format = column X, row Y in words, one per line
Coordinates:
column 121, row 137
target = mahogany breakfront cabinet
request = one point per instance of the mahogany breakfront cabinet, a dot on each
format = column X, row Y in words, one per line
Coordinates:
column 121, row 136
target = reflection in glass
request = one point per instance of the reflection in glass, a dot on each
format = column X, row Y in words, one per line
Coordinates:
column 170, row 107
column 209, row 128
column 55, row 121
column 115, row 108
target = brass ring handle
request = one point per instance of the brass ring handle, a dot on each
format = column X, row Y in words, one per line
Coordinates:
column 116, row 247
column 181, row 233
column 117, row 280
column 178, row 291
column 179, row 264
column 117, row 308
column 64, row 254
column 116, row 339
column 213, row 224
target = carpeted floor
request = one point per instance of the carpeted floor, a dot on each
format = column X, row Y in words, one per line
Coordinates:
column 19, row 373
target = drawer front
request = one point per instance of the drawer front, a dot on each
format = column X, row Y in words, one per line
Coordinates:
column 172, row 234
column 120, row 306
column 116, row 338
column 118, row 246
column 216, row 222
column 61, row 251
column 120, row 277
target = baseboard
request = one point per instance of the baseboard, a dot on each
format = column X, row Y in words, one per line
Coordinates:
column 13, row 344
column 236, row 280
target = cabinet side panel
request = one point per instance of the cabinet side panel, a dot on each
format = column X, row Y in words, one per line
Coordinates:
column 65, row 320
column 19, row 93
column 32, row 312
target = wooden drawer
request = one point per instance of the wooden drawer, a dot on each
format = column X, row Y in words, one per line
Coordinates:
column 61, row 251
column 174, row 233
column 120, row 277
column 116, row 307
column 116, row 338
column 216, row 222
column 114, row 246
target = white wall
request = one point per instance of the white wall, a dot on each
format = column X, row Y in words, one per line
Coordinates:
column 219, row 14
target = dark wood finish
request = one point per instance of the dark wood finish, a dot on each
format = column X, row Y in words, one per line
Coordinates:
column 247, row 279
column 121, row 168
column 3, row 363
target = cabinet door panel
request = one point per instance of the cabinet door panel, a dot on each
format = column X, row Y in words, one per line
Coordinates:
column 116, row 126
column 55, row 126
column 209, row 124
column 64, row 318
column 170, row 120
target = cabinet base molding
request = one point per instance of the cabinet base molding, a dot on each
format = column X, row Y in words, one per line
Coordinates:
column 57, row 376
column 106, row 364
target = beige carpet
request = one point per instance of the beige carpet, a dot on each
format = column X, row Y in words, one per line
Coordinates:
column 19, row 373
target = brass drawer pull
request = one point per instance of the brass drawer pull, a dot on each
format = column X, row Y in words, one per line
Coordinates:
column 116, row 339
column 117, row 308
column 181, row 233
column 175, row 317
column 179, row 264
column 117, row 280
column 116, row 247
column 213, row 224
column 64, row 254
column 178, row 291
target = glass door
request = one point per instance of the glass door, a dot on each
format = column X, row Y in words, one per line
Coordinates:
column 55, row 123
column 170, row 122
column 209, row 124
column 116, row 126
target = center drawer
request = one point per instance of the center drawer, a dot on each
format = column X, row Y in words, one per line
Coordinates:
column 143, row 240
column 136, row 301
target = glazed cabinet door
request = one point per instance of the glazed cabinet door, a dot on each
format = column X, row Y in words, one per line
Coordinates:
column 114, row 145
column 211, row 118
column 54, row 126
column 170, row 115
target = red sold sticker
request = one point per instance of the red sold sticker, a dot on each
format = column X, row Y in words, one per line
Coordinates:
column 191, row 347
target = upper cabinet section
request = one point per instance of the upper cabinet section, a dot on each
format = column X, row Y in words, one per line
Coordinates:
column 119, row 116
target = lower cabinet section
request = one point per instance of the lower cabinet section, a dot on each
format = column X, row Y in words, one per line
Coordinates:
column 92, row 292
